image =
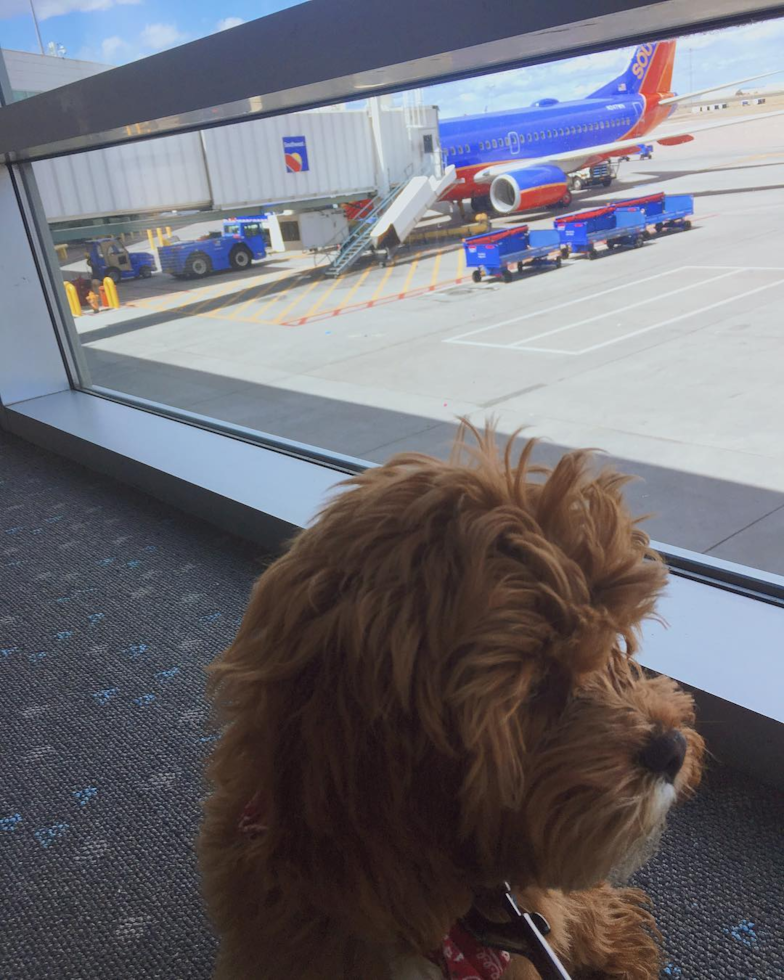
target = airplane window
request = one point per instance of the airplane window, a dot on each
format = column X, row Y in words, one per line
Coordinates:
column 541, row 134
column 601, row 124
column 549, row 134
column 495, row 144
column 507, row 141
column 536, row 136
column 528, row 137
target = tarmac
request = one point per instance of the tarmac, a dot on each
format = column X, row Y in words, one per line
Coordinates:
column 669, row 358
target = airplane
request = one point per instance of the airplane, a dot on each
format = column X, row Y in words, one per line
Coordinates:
column 520, row 159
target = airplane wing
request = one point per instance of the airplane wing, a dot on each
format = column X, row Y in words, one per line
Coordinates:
column 571, row 160
column 715, row 88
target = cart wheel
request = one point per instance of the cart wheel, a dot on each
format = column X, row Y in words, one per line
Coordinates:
column 558, row 262
column 476, row 275
column 686, row 225
column 565, row 252
column 507, row 275
column 592, row 253
column 639, row 241
column 611, row 245
column 659, row 227
column 520, row 267
column 646, row 234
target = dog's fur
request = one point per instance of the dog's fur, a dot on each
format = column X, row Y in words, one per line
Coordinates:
column 432, row 692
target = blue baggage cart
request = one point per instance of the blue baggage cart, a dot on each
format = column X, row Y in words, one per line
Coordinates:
column 495, row 251
column 612, row 225
column 663, row 210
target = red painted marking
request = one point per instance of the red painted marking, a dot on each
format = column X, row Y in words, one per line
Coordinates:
column 367, row 304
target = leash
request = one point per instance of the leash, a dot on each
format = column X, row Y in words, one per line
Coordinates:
column 524, row 934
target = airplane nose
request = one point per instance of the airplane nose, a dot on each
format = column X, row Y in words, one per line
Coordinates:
column 664, row 754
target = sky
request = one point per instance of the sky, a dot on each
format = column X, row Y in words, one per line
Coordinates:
column 117, row 31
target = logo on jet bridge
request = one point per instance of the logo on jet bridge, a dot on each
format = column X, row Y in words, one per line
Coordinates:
column 295, row 152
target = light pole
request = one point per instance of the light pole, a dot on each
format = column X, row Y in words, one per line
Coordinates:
column 37, row 31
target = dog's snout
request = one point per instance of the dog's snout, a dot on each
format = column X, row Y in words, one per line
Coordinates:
column 664, row 754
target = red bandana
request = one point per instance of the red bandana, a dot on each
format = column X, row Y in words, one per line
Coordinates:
column 461, row 957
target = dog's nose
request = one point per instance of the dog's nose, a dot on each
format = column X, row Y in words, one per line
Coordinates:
column 665, row 753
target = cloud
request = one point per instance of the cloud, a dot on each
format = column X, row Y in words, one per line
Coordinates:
column 112, row 47
column 55, row 8
column 160, row 36
column 227, row 22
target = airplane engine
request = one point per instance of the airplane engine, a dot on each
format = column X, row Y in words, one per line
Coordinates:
column 529, row 187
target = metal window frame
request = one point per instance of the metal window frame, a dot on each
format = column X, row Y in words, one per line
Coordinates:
column 454, row 38
column 298, row 58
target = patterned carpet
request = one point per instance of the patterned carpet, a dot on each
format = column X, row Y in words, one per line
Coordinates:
column 110, row 606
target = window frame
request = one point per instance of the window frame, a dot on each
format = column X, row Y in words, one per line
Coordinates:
column 48, row 362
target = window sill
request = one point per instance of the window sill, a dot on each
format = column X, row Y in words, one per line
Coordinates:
column 724, row 646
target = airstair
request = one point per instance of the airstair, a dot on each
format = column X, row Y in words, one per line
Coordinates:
column 387, row 221
column 408, row 208
column 358, row 241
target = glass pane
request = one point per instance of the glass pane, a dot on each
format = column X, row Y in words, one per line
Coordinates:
column 49, row 43
column 313, row 276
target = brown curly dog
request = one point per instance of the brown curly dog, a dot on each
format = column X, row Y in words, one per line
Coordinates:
column 433, row 692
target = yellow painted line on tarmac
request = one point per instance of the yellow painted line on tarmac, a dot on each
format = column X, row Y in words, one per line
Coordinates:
column 327, row 292
column 460, row 263
column 411, row 271
column 257, row 317
column 380, row 287
column 436, row 267
column 297, row 300
column 184, row 298
column 350, row 294
column 220, row 291
column 256, row 296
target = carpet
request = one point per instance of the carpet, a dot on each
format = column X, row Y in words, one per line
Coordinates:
column 111, row 605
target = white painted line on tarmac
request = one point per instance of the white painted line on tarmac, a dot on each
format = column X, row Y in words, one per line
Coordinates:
column 740, row 268
column 562, row 306
column 622, row 309
column 683, row 316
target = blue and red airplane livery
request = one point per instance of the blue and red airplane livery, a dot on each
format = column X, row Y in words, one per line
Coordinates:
column 520, row 159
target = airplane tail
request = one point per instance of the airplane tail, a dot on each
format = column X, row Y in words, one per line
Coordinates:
column 649, row 72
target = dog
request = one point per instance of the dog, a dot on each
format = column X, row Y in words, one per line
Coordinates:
column 432, row 692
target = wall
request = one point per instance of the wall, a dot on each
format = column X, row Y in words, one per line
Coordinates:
column 247, row 164
column 242, row 165
column 166, row 174
column 39, row 72
column 403, row 143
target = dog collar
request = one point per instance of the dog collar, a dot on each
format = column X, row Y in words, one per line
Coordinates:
column 523, row 933
column 475, row 948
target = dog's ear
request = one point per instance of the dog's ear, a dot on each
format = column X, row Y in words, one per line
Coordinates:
column 599, row 576
column 487, row 694
column 565, row 572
